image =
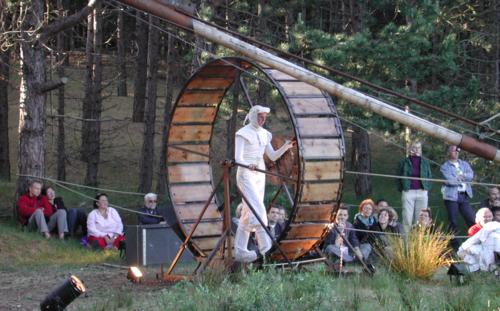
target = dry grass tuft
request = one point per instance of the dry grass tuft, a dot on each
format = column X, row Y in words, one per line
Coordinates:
column 420, row 256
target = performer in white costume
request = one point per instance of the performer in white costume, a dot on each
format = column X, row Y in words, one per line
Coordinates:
column 252, row 141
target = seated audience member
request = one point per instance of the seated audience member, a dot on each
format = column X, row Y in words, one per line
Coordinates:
column 104, row 225
column 364, row 220
column 496, row 214
column 36, row 212
column 380, row 240
column 483, row 216
column 424, row 219
column 283, row 216
column 274, row 217
column 334, row 245
column 382, row 203
column 493, row 195
column 479, row 251
column 75, row 217
column 149, row 213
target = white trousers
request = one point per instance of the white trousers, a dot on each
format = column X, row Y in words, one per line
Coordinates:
column 241, row 252
column 413, row 201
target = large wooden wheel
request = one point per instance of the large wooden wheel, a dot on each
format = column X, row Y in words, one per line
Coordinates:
column 320, row 148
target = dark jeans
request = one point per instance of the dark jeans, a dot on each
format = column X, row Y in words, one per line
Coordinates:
column 77, row 217
column 460, row 205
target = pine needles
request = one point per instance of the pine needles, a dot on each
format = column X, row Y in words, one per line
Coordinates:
column 420, row 256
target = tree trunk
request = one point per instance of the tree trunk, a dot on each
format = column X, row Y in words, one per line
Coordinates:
column 92, row 103
column 4, row 115
column 361, row 162
column 161, row 186
column 31, row 101
column 140, row 68
column 147, row 158
column 61, row 60
column 121, row 88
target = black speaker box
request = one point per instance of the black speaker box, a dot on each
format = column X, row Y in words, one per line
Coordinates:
column 153, row 245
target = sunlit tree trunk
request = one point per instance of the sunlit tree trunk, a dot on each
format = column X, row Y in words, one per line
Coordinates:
column 4, row 115
column 141, row 37
column 121, row 86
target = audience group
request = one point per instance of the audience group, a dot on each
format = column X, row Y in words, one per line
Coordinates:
column 363, row 239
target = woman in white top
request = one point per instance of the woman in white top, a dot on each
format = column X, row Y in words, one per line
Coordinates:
column 252, row 141
column 104, row 225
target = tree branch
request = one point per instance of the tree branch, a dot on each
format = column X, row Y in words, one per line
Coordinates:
column 63, row 23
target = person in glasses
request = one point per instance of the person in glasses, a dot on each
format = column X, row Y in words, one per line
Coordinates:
column 149, row 214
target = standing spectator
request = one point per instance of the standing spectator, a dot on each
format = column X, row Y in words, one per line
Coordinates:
column 334, row 245
column 36, row 212
column 493, row 195
column 457, row 190
column 414, row 195
column 104, row 225
column 75, row 217
column 364, row 220
column 149, row 212
column 483, row 216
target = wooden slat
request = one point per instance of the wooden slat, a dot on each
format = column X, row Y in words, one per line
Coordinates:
column 319, row 212
column 194, row 114
column 190, row 193
column 204, row 229
column 222, row 71
column 209, row 83
column 189, row 173
column 298, row 231
column 279, row 75
column 206, row 98
column 299, row 88
column 310, row 106
column 321, row 148
column 295, row 248
column 180, row 133
column 176, row 155
column 319, row 192
column 207, row 244
column 323, row 170
column 193, row 210
column 317, row 127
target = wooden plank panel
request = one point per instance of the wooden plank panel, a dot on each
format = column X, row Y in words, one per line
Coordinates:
column 319, row 192
column 194, row 114
column 190, row 193
column 205, row 228
column 321, row 148
column 320, row 212
column 208, row 244
column 189, row 173
column 310, row 105
column 298, row 231
column 209, row 83
column 193, row 210
column 294, row 247
column 222, row 71
column 180, row 133
column 206, row 98
column 299, row 88
column 177, row 155
column 279, row 75
column 317, row 126
column 322, row 170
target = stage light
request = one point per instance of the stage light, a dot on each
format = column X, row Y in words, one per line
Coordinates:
column 63, row 295
column 135, row 275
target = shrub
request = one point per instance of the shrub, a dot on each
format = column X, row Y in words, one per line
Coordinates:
column 419, row 256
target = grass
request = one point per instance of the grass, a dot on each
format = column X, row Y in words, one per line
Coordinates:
column 420, row 256
column 20, row 249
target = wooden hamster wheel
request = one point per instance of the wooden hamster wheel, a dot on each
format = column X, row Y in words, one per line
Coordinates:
column 320, row 154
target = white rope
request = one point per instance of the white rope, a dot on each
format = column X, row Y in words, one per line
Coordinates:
column 444, row 181
column 405, row 234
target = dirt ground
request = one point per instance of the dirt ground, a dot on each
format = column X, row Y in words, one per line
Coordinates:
column 24, row 290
